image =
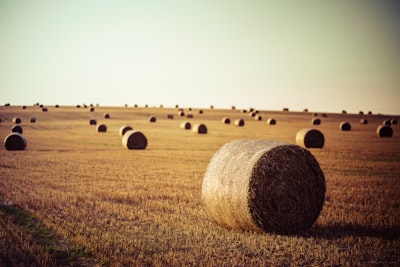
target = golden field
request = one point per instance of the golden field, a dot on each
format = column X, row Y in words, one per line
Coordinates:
column 78, row 197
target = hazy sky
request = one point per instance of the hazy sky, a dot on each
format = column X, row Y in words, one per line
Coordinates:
column 320, row 55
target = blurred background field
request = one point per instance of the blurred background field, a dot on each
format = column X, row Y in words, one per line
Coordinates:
column 100, row 203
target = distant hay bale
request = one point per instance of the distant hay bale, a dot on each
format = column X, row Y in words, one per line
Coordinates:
column 186, row 125
column 310, row 138
column 200, row 128
column 106, row 115
column 258, row 117
column 384, row 131
column 134, row 140
column 226, row 120
column 16, row 120
column 124, row 129
column 344, row 112
column 361, row 113
column 44, row 109
column 387, row 122
column 345, row 126
column 91, row 109
column 101, row 128
column 364, row 121
column 305, row 110
column 271, row 121
column 263, row 185
column 33, row 120
column 170, row 116
column 181, row 113
column 189, row 116
column 24, row 107
column 286, row 109
column 152, row 119
column 393, row 121
column 15, row 141
column 239, row 122
column 315, row 121
column 92, row 122
column 252, row 114
column 233, row 107
column 201, row 111
column 16, row 129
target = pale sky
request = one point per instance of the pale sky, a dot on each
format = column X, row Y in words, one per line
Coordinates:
column 321, row 55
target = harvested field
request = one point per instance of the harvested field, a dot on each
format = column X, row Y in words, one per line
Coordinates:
column 81, row 198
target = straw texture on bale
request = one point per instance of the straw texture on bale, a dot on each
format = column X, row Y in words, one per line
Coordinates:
column 384, row 131
column 263, row 185
column 16, row 129
column 310, row 138
column 271, row 121
column 186, row 125
column 345, row 126
column 15, row 141
column 200, row 128
column 239, row 122
column 134, row 140
column 101, row 128
column 124, row 129
column 226, row 120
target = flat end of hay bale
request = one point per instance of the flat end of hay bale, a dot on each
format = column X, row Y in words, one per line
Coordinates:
column 101, row 128
column 186, row 125
column 384, row 131
column 263, row 185
column 200, row 128
column 15, row 141
column 271, row 121
column 239, row 122
column 310, row 138
column 345, row 126
column 124, row 129
column 134, row 140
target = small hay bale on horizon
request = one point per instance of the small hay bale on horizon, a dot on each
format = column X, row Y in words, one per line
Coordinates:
column 345, row 126
column 310, row 138
column 200, row 128
column 123, row 129
column 186, row 125
column 133, row 139
column 263, row 186
column 15, row 141
column 101, row 128
column 384, row 131
column 239, row 122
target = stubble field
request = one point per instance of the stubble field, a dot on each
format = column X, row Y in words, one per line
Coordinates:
column 78, row 197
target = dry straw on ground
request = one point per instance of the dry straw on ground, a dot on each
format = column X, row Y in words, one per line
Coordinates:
column 310, row 138
column 134, row 140
column 384, row 131
column 15, row 141
column 200, row 128
column 263, row 185
column 124, row 129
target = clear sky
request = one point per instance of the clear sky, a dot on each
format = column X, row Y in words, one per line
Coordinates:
column 321, row 55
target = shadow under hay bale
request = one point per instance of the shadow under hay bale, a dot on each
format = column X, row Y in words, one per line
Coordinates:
column 101, row 128
column 16, row 129
column 271, row 121
column 345, row 126
column 186, row 125
column 226, row 120
column 134, row 140
column 263, row 185
column 15, row 141
column 384, row 131
column 239, row 122
column 200, row 128
column 124, row 129
column 316, row 121
column 310, row 138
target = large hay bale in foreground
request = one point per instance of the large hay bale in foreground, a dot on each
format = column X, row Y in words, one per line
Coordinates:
column 263, row 185
column 310, row 138
column 124, row 129
column 134, row 140
column 15, row 141
column 101, row 128
column 200, row 128
column 345, row 126
column 384, row 131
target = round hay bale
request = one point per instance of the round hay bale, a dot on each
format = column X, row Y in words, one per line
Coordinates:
column 271, row 121
column 201, row 111
column 33, row 120
column 24, row 107
column 15, row 141
column 199, row 128
column 101, row 128
column 181, row 113
column 316, row 121
column 364, row 121
column 170, row 116
column 91, row 109
column 384, row 131
column 189, row 116
column 134, row 140
column 124, row 129
column 226, row 120
column 92, row 122
column 239, row 122
column 263, row 185
column 152, row 119
column 387, row 122
column 258, row 117
column 16, row 129
column 44, row 109
column 310, row 138
column 393, row 121
column 106, row 115
column 16, row 120
column 345, row 126
column 186, row 125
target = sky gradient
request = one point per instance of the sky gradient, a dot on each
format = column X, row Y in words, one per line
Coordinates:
column 322, row 55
